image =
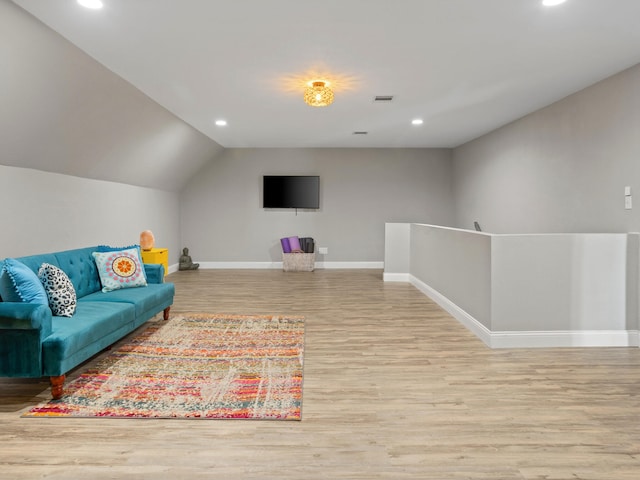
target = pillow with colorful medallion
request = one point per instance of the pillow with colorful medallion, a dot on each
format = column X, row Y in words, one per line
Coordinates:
column 120, row 269
column 109, row 248
column 60, row 291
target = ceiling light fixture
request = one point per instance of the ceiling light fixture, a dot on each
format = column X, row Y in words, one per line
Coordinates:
column 417, row 121
column 221, row 123
column 552, row 3
column 95, row 4
column 318, row 93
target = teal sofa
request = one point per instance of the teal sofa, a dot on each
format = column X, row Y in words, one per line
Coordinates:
column 36, row 343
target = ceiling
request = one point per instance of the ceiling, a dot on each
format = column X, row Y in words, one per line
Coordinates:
column 465, row 67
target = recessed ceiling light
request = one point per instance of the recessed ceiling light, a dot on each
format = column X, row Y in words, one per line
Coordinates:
column 221, row 123
column 95, row 4
column 552, row 3
column 417, row 121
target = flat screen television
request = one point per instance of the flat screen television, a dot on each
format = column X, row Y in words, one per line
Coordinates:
column 291, row 191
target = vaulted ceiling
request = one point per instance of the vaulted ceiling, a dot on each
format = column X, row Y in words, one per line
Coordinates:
column 465, row 67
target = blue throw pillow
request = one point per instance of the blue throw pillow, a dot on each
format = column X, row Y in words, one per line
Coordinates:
column 18, row 283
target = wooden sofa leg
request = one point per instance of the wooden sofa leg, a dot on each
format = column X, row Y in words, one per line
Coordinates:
column 57, row 386
column 165, row 313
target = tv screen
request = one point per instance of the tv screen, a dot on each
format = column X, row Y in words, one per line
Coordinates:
column 289, row 191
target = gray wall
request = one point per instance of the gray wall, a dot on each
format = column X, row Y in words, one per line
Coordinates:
column 48, row 212
column 560, row 169
column 65, row 122
column 61, row 111
column 222, row 219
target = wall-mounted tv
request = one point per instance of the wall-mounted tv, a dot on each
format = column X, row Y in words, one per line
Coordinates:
column 291, row 191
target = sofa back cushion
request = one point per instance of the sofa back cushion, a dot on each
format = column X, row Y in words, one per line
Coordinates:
column 78, row 264
column 81, row 269
column 34, row 261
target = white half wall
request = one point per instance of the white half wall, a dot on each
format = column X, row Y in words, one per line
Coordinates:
column 558, row 282
column 556, row 290
column 456, row 263
column 397, row 246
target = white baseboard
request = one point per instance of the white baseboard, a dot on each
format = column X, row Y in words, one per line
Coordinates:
column 278, row 265
column 566, row 338
column 396, row 277
column 351, row 265
column 528, row 339
column 477, row 328
column 240, row 265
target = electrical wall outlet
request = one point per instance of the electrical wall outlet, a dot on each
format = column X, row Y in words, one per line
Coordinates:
column 628, row 203
column 323, row 250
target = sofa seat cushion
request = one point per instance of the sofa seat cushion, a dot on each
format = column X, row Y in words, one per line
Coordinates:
column 142, row 298
column 92, row 323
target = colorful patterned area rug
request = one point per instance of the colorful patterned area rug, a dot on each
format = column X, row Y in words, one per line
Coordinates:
column 195, row 366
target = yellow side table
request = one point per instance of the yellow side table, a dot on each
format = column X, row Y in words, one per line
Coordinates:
column 157, row 255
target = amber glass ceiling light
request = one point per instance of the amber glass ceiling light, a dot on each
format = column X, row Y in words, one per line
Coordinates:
column 318, row 94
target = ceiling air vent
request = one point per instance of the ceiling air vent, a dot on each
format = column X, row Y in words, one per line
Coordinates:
column 383, row 98
column 360, row 133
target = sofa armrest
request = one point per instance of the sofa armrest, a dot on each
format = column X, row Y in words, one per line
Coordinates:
column 25, row 316
column 23, row 327
column 154, row 272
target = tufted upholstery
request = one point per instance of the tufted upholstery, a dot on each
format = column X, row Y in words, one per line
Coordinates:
column 34, row 261
column 78, row 264
column 81, row 270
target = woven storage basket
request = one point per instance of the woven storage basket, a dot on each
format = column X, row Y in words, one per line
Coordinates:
column 298, row 262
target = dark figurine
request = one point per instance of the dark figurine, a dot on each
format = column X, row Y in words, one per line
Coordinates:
column 185, row 261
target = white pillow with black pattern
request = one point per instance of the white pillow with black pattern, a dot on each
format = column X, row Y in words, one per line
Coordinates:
column 60, row 291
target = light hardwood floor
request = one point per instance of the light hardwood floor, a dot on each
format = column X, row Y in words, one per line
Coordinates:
column 394, row 388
